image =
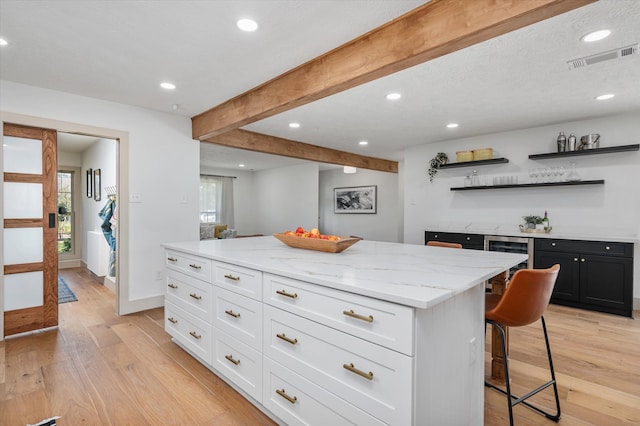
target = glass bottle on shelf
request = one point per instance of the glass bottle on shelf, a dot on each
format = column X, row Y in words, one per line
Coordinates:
column 573, row 176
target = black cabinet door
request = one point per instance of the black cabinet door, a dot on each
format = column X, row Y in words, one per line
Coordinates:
column 567, row 286
column 607, row 281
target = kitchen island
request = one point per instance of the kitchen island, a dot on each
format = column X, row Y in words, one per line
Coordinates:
column 381, row 333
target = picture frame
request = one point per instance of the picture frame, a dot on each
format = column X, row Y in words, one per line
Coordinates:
column 89, row 183
column 97, row 195
column 355, row 199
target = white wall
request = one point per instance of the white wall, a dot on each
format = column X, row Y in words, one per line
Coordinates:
column 285, row 198
column 382, row 226
column 157, row 161
column 101, row 155
column 612, row 209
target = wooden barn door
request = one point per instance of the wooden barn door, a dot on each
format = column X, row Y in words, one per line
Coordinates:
column 30, row 229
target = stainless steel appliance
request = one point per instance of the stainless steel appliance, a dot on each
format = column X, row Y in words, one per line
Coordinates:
column 511, row 245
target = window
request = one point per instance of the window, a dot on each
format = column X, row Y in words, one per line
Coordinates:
column 65, row 210
column 216, row 199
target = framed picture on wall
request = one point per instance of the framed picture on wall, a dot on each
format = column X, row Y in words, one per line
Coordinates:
column 96, row 185
column 89, row 183
column 355, row 199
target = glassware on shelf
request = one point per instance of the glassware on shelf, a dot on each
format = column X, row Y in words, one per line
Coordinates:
column 573, row 176
column 561, row 172
column 533, row 174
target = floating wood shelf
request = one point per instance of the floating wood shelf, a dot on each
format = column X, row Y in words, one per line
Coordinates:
column 531, row 185
column 474, row 163
column 607, row 150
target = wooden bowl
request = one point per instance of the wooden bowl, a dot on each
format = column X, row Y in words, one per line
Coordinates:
column 317, row 244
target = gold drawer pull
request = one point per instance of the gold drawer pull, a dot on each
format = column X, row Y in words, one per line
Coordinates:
column 195, row 296
column 284, row 293
column 230, row 358
column 195, row 335
column 233, row 314
column 287, row 339
column 352, row 314
column 194, row 266
column 231, row 277
column 172, row 320
column 350, row 367
column 172, row 285
column 172, row 259
column 283, row 393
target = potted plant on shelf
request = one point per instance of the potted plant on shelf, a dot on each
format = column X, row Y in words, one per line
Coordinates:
column 435, row 163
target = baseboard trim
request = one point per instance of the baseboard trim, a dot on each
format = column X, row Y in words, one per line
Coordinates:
column 69, row 263
column 137, row 305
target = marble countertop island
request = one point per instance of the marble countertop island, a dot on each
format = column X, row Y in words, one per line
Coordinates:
column 408, row 274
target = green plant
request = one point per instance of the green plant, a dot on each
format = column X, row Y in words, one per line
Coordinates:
column 435, row 163
column 536, row 220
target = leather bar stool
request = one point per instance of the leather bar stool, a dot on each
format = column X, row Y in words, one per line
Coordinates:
column 523, row 303
column 443, row 244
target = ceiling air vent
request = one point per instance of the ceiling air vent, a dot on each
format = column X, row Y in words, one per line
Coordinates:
column 604, row 56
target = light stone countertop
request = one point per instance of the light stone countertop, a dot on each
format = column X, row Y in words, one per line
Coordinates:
column 408, row 274
column 565, row 233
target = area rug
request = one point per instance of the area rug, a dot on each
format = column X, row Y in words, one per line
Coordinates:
column 64, row 292
column 50, row 421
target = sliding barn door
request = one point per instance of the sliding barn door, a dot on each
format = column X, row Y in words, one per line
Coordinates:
column 30, row 229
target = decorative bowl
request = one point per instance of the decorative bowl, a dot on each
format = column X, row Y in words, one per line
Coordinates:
column 317, row 244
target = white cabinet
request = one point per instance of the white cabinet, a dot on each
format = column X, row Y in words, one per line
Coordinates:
column 309, row 354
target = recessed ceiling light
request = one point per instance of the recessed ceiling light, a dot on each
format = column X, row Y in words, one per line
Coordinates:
column 393, row 96
column 167, row 85
column 247, row 25
column 294, row 125
column 240, row 165
column 349, row 169
column 452, row 125
column 596, row 35
column 363, row 143
column 3, row 42
column 605, row 97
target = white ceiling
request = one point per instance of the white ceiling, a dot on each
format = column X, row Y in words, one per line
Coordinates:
column 121, row 50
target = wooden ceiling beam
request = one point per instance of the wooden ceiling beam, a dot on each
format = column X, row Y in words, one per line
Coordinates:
column 267, row 144
column 427, row 32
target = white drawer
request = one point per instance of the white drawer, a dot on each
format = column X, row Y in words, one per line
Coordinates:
column 238, row 316
column 297, row 401
column 190, row 294
column 375, row 379
column 239, row 363
column 190, row 331
column 196, row 266
column 245, row 281
column 385, row 323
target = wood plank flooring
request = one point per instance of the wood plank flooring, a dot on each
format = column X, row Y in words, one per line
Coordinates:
column 102, row 369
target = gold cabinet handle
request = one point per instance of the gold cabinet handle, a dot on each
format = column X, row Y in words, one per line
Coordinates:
column 352, row 314
column 194, row 266
column 195, row 335
column 231, row 277
column 172, row 285
column 195, row 296
column 284, row 293
column 172, row 259
column 287, row 339
column 353, row 369
column 283, row 393
column 172, row 320
column 230, row 358
column 233, row 314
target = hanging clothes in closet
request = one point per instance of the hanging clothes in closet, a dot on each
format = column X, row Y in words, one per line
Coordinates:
column 108, row 216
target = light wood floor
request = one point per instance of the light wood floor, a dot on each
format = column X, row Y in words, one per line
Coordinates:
column 101, row 369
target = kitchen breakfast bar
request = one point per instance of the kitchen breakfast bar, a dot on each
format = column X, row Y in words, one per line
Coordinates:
column 381, row 333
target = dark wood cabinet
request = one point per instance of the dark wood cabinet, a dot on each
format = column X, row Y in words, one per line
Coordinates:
column 468, row 241
column 593, row 275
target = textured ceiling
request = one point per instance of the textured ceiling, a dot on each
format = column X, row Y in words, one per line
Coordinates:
column 122, row 50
